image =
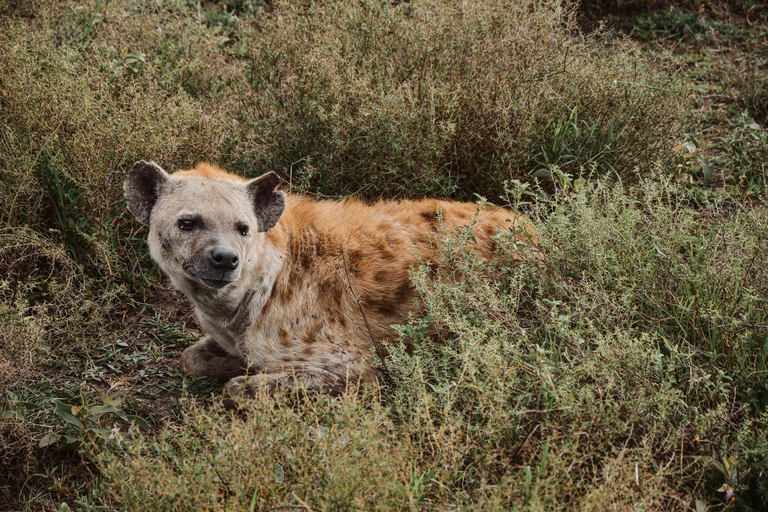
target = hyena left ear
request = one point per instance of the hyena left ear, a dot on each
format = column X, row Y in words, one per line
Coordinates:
column 268, row 203
column 142, row 189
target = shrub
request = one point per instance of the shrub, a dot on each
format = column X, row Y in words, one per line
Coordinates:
column 433, row 98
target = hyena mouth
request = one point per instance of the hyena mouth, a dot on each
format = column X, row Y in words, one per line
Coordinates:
column 213, row 279
column 216, row 283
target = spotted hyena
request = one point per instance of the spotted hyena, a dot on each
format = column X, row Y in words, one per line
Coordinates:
column 291, row 291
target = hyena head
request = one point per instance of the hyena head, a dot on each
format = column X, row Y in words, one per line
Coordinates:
column 205, row 225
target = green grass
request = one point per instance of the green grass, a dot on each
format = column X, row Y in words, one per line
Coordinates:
column 629, row 374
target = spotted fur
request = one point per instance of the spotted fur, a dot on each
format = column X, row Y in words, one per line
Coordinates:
column 315, row 281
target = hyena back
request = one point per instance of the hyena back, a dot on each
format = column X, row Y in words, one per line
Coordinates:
column 290, row 291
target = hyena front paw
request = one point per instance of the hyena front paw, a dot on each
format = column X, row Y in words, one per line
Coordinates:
column 251, row 386
column 206, row 358
column 247, row 386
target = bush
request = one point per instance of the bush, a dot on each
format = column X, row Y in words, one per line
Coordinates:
column 438, row 99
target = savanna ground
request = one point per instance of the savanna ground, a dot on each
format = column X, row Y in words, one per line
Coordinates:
column 631, row 375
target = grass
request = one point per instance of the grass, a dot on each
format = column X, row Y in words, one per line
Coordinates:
column 631, row 375
column 625, row 376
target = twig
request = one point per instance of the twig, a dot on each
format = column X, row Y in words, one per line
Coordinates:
column 542, row 411
column 565, row 61
column 310, row 509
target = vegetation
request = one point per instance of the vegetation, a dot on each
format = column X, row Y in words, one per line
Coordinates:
column 629, row 373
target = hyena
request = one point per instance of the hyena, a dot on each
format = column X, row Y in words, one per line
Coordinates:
column 291, row 291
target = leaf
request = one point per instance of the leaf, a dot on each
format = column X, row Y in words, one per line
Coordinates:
column 12, row 414
column 279, row 473
column 100, row 410
column 48, row 439
column 114, row 401
column 134, row 57
column 701, row 506
column 65, row 411
column 104, row 433
column 136, row 420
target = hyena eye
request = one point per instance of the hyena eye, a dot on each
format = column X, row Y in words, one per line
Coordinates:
column 186, row 224
column 243, row 229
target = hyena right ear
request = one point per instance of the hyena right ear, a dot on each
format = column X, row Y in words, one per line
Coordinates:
column 142, row 188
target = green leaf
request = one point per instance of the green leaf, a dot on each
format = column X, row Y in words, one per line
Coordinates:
column 279, row 473
column 134, row 57
column 12, row 414
column 136, row 420
column 708, row 170
column 65, row 411
column 104, row 433
column 49, row 439
column 100, row 410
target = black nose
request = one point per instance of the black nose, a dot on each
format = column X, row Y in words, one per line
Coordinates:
column 223, row 258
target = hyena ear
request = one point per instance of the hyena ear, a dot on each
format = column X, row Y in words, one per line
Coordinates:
column 268, row 203
column 142, row 188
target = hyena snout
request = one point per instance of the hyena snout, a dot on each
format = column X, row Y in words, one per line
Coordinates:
column 223, row 258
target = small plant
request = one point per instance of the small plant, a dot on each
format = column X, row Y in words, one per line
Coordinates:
column 80, row 26
column 65, row 200
column 133, row 63
column 576, row 144
column 676, row 24
column 90, row 422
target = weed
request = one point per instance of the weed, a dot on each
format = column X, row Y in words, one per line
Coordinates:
column 89, row 421
column 79, row 28
column 677, row 25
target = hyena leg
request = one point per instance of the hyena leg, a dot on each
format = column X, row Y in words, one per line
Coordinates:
column 250, row 386
column 207, row 358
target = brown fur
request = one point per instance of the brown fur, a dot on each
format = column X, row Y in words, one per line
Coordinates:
column 309, row 293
